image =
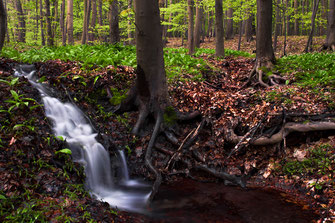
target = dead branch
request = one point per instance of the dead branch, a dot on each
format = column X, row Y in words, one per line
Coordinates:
column 285, row 130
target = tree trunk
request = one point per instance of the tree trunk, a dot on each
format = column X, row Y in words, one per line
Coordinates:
column 288, row 27
column 151, row 80
column 22, row 23
column 264, row 51
column 36, row 17
column 50, row 41
column 219, row 43
column 69, row 21
column 190, row 37
column 42, row 23
column 330, row 40
column 3, row 24
column 93, row 21
column 198, row 22
column 248, row 27
column 54, row 19
column 114, row 23
column 209, row 28
column 296, row 21
column 277, row 26
column 86, row 22
column 100, row 12
column 62, row 23
column 309, row 41
column 230, row 24
column 130, row 32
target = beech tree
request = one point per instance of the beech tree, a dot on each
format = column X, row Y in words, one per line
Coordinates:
column 114, row 31
column 330, row 40
column 3, row 24
column 219, row 44
column 190, row 32
column 22, row 23
column 69, row 21
column 198, row 23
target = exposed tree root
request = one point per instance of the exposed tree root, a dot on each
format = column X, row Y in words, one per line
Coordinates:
column 284, row 131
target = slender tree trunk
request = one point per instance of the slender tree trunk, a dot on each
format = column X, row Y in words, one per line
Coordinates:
column 62, row 23
column 296, row 21
column 93, row 21
column 100, row 12
column 230, row 24
column 54, row 19
column 86, row 22
column 3, row 24
column 130, row 32
column 114, row 22
column 22, row 22
column 42, row 23
column 209, row 28
column 190, row 37
column 198, row 22
column 248, row 27
column 277, row 26
column 219, row 43
column 330, row 40
column 36, row 24
column 49, row 29
column 288, row 27
column 69, row 22
column 309, row 41
column 240, row 30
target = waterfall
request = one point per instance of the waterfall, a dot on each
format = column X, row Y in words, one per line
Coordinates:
column 70, row 123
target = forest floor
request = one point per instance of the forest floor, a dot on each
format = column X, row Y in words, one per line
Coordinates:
column 37, row 182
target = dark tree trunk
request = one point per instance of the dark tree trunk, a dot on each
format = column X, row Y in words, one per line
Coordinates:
column 42, row 23
column 86, row 22
column 93, row 21
column 190, row 37
column 22, row 23
column 100, row 12
column 36, row 17
column 277, row 26
column 62, row 23
column 3, row 24
column 230, row 24
column 296, row 21
column 50, row 41
column 209, row 28
column 114, row 23
column 248, row 28
column 310, row 37
column 69, row 21
column 130, row 32
column 330, row 40
column 219, row 44
column 198, row 22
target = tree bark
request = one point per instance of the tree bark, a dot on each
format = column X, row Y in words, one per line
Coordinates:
column 22, row 23
column 62, row 23
column 3, row 24
column 219, row 43
column 42, row 23
column 93, row 21
column 100, row 12
column 309, row 41
column 198, row 22
column 190, row 37
column 130, row 32
column 50, row 41
column 69, row 21
column 86, row 22
column 277, row 26
column 230, row 24
column 114, row 22
column 248, row 27
column 296, row 21
column 330, row 40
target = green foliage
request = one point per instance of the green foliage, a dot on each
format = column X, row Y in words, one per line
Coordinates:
column 228, row 52
column 170, row 116
column 118, row 96
column 65, row 151
column 311, row 69
column 318, row 162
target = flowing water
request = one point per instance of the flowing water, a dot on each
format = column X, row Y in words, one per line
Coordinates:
column 70, row 123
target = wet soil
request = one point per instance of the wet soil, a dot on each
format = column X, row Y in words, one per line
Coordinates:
column 190, row 201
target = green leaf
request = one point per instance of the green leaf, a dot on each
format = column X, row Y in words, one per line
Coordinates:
column 14, row 94
column 60, row 138
column 2, row 197
column 287, row 82
column 95, row 79
column 66, row 151
column 14, row 81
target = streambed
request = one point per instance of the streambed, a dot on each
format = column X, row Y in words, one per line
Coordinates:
column 190, row 201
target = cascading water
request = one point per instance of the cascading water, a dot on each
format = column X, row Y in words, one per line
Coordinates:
column 70, row 123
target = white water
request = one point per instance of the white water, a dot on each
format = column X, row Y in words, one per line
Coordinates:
column 70, row 123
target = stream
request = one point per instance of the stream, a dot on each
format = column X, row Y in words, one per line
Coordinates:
column 181, row 201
